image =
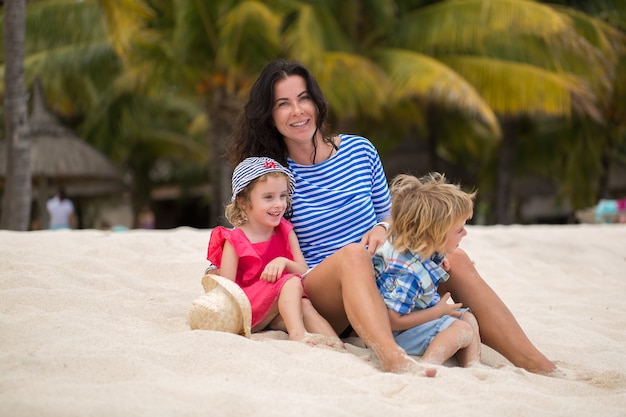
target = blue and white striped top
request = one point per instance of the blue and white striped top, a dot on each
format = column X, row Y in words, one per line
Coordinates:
column 337, row 201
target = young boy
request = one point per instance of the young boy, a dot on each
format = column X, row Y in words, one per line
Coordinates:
column 428, row 218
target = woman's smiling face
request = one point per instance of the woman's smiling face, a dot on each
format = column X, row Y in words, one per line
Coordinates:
column 294, row 112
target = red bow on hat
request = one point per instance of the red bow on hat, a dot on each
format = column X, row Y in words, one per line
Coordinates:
column 269, row 164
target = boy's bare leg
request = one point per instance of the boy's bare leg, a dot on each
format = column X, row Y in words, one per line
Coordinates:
column 448, row 342
column 498, row 327
column 470, row 355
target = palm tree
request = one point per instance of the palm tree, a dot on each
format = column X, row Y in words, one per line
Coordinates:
column 216, row 48
column 16, row 200
column 510, row 58
column 214, row 51
column 403, row 61
column 610, row 138
column 523, row 58
column 496, row 63
column 84, row 50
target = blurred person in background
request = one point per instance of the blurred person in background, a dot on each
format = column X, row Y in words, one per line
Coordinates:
column 61, row 211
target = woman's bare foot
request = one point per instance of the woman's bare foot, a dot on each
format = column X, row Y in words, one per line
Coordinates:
column 400, row 363
column 541, row 366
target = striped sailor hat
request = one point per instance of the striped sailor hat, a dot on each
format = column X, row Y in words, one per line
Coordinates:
column 252, row 168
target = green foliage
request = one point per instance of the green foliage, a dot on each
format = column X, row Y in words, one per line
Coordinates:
column 164, row 79
column 101, row 64
column 416, row 75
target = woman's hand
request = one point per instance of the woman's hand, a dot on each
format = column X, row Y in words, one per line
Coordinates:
column 373, row 239
column 445, row 264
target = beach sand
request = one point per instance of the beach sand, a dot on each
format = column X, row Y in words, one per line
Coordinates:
column 94, row 323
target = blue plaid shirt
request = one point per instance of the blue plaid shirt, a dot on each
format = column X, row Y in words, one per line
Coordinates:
column 405, row 281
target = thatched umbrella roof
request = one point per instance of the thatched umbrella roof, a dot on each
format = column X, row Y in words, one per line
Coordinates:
column 58, row 157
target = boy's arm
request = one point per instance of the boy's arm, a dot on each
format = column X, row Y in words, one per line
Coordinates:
column 417, row 317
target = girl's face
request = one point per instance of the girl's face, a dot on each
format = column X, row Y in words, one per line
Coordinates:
column 268, row 201
column 294, row 112
column 454, row 236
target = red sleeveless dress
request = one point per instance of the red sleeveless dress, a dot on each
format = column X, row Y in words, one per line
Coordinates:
column 253, row 257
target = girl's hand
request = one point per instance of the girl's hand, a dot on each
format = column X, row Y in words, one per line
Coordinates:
column 446, row 309
column 274, row 269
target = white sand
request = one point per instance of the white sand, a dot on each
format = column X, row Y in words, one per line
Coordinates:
column 94, row 323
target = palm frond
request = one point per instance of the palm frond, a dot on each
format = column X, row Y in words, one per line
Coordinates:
column 305, row 34
column 416, row 75
column 353, row 84
column 479, row 26
column 466, row 23
column 607, row 39
column 249, row 33
column 96, row 59
column 613, row 12
column 124, row 18
column 72, row 74
column 364, row 22
column 514, row 88
column 124, row 119
column 54, row 23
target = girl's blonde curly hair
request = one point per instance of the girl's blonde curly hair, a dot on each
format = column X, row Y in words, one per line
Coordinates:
column 423, row 210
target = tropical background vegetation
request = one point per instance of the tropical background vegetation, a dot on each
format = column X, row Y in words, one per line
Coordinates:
column 519, row 99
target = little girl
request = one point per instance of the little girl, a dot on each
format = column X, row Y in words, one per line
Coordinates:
column 262, row 254
column 428, row 219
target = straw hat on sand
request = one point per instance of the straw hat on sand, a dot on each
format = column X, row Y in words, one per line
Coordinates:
column 224, row 307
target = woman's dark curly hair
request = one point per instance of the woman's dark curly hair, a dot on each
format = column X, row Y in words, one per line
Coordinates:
column 255, row 133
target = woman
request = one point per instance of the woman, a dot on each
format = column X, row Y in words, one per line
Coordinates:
column 339, row 210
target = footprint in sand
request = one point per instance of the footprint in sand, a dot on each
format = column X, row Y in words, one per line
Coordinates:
column 608, row 380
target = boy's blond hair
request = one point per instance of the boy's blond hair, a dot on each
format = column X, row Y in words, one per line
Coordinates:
column 235, row 211
column 423, row 210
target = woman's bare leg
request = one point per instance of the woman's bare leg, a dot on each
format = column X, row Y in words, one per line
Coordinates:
column 314, row 322
column 343, row 290
column 498, row 327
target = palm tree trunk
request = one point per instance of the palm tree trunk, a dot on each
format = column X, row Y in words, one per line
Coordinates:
column 16, row 203
column 433, row 121
column 506, row 163
column 605, row 161
column 222, row 113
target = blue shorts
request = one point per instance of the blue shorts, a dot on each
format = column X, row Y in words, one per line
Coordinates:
column 416, row 340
